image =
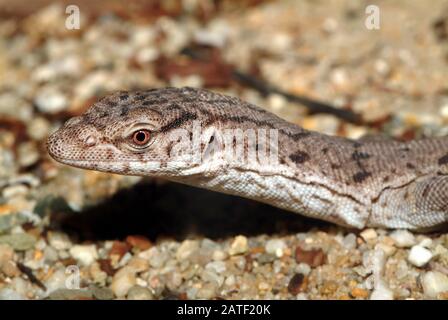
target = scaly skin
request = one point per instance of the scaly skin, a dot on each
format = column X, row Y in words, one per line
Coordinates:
column 380, row 183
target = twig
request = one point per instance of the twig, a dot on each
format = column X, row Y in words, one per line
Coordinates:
column 265, row 89
column 29, row 273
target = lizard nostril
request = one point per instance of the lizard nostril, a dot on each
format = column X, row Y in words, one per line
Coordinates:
column 90, row 141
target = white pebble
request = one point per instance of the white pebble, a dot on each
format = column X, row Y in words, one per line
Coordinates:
column 349, row 241
column 425, row 242
column 123, row 281
column 275, row 247
column 9, row 294
column 219, row 255
column 368, row 234
column 51, row 101
column 381, row 292
column 238, row 246
column 303, row 268
column 403, row 238
column 230, row 281
column 433, row 283
column 84, row 254
column 59, row 240
column 186, row 249
column 443, row 111
column 216, row 266
column 57, row 281
column 419, row 256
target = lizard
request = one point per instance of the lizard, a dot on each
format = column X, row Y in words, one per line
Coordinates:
column 382, row 183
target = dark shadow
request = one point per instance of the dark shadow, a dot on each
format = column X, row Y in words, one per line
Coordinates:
column 178, row 211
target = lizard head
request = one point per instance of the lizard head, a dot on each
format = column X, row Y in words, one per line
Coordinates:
column 134, row 133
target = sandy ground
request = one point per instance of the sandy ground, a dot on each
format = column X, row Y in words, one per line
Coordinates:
column 132, row 238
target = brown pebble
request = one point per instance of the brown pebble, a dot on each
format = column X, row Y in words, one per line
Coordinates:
column 139, row 242
column 10, row 269
column 314, row 257
column 69, row 261
column 359, row 293
column 106, row 266
column 119, row 249
column 297, row 284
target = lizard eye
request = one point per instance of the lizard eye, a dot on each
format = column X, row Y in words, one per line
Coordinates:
column 141, row 137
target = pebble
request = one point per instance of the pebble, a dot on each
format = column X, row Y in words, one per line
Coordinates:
column 50, row 254
column 57, row 280
column 230, row 281
column 158, row 258
column 98, row 276
column 219, row 255
column 275, row 247
column 139, row 293
column 434, row 283
column 387, row 248
column 349, row 241
column 238, row 246
column 27, row 154
column 313, row 257
column 443, row 111
column 70, row 294
column 49, row 100
column 14, row 191
column 359, row 293
column 12, row 106
column 216, row 266
column 102, row 293
column 368, row 235
column 425, row 242
column 123, row 281
column 138, row 264
column 38, row 128
column 7, row 264
column 211, row 276
column 10, row 269
column 381, row 292
column 18, row 241
column 59, row 240
column 139, row 242
column 419, row 256
column 84, row 254
column 207, row 291
column 303, row 268
column 296, row 284
column 174, row 280
column 10, row 294
column 186, row 249
column 6, row 254
column 403, row 238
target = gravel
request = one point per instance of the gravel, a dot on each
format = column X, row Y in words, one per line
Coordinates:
column 419, row 256
column 82, row 234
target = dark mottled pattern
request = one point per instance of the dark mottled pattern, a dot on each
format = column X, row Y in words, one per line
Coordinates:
column 443, row 160
column 177, row 122
column 299, row 157
column 361, row 176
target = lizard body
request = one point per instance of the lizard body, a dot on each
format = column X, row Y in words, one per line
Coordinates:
column 181, row 134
